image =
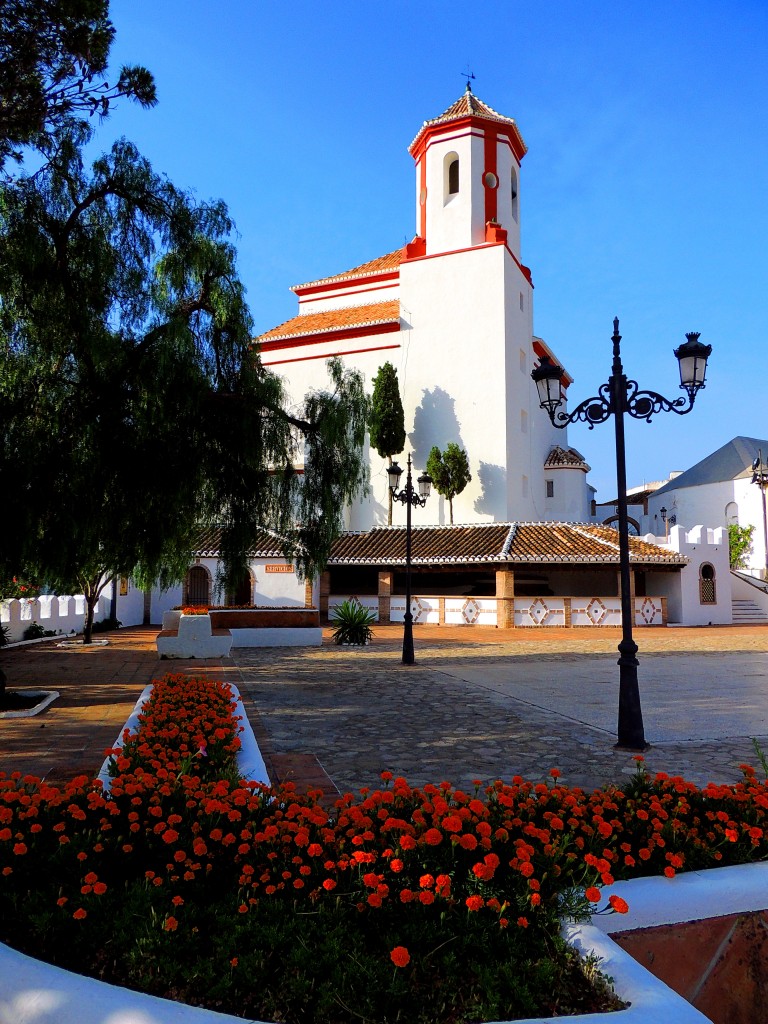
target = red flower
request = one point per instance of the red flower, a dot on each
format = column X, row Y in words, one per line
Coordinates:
column 593, row 894
column 400, row 956
column 474, row 902
column 618, row 904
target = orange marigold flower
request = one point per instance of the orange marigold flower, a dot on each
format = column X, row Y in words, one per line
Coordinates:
column 400, row 956
column 426, row 897
column 618, row 904
column 426, row 881
column 374, row 900
column 593, row 894
column 522, row 922
column 61, row 901
column 433, row 837
column 669, row 872
column 474, row 902
column 79, row 914
column 100, row 888
column 177, row 901
column 19, row 849
column 234, row 962
column 171, row 924
column 468, row 841
column 396, row 865
column 406, row 895
column 555, row 773
column 329, row 884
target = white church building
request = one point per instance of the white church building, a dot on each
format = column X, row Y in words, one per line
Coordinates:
column 453, row 312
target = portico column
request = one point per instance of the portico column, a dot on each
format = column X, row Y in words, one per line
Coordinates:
column 325, row 593
column 505, row 598
column 385, row 596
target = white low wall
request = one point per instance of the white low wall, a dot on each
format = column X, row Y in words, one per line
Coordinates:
column 528, row 611
column 62, row 614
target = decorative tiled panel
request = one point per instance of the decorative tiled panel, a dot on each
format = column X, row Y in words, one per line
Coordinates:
column 540, row 611
column 470, row 611
column 648, row 611
column 595, row 611
column 424, row 610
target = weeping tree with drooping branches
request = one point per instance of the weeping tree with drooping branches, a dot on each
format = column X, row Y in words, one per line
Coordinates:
column 133, row 407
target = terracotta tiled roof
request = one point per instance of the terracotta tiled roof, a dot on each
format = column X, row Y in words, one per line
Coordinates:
column 468, row 105
column 335, row 320
column 560, row 457
column 265, row 544
column 526, row 543
column 381, row 264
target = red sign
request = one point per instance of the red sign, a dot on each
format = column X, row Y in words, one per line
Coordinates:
column 278, row 568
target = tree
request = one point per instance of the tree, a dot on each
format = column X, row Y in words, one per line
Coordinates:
column 133, row 407
column 449, row 471
column 53, row 58
column 387, row 420
column 739, row 544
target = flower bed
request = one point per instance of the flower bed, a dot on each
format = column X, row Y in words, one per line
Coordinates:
column 434, row 904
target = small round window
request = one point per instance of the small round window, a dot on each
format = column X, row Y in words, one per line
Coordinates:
column 490, row 180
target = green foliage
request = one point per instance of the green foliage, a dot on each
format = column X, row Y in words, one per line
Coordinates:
column 449, row 471
column 352, row 623
column 132, row 405
column 53, row 58
column 386, row 421
column 35, row 631
column 739, row 544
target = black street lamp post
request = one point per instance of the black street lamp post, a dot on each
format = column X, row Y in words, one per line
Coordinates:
column 615, row 398
column 760, row 477
column 408, row 497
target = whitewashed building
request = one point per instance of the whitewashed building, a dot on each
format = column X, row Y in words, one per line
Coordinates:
column 453, row 312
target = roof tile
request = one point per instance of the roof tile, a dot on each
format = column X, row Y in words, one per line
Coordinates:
column 334, row 320
column 526, row 543
column 391, row 261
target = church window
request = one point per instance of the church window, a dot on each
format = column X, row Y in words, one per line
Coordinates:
column 731, row 513
column 550, row 488
column 513, row 193
column 451, row 175
column 707, row 592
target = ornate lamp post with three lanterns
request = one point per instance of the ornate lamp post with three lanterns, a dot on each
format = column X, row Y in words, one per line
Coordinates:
column 615, row 398
column 408, row 497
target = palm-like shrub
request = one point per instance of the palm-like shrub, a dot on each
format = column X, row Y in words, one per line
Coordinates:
column 352, row 623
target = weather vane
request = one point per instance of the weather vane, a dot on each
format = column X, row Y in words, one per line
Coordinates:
column 468, row 75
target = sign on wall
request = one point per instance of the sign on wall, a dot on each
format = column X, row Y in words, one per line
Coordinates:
column 278, row 568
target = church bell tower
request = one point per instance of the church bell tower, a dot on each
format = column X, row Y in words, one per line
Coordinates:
column 468, row 178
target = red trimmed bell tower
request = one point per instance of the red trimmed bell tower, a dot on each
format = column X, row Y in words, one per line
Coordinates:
column 468, row 178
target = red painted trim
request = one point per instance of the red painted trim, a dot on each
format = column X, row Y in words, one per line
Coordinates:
column 461, row 124
column 329, row 286
column 360, row 291
column 351, row 352
column 525, row 271
column 338, row 335
column 539, row 350
column 423, row 190
column 490, row 144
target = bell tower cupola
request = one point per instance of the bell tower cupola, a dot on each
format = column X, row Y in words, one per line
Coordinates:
column 468, row 177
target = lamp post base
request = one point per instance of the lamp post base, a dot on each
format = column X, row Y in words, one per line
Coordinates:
column 408, row 658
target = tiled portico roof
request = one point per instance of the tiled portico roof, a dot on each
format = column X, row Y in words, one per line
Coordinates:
column 265, row 544
column 510, row 543
column 334, row 320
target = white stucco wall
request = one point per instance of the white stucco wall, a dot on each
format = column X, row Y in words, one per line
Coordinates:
column 682, row 589
column 715, row 504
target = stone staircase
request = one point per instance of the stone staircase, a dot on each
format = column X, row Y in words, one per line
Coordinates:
column 748, row 613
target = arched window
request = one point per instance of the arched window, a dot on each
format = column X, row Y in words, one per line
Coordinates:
column 707, row 591
column 197, row 586
column 513, row 192
column 731, row 513
column 451, row 175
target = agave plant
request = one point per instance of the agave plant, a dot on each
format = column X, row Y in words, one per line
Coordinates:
column 352, row 623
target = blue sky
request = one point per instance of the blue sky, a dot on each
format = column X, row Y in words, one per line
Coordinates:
column 644, row 194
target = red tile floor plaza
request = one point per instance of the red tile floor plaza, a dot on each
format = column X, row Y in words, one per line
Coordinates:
column 99, row 686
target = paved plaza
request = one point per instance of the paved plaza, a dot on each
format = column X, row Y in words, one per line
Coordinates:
column 478, row 704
